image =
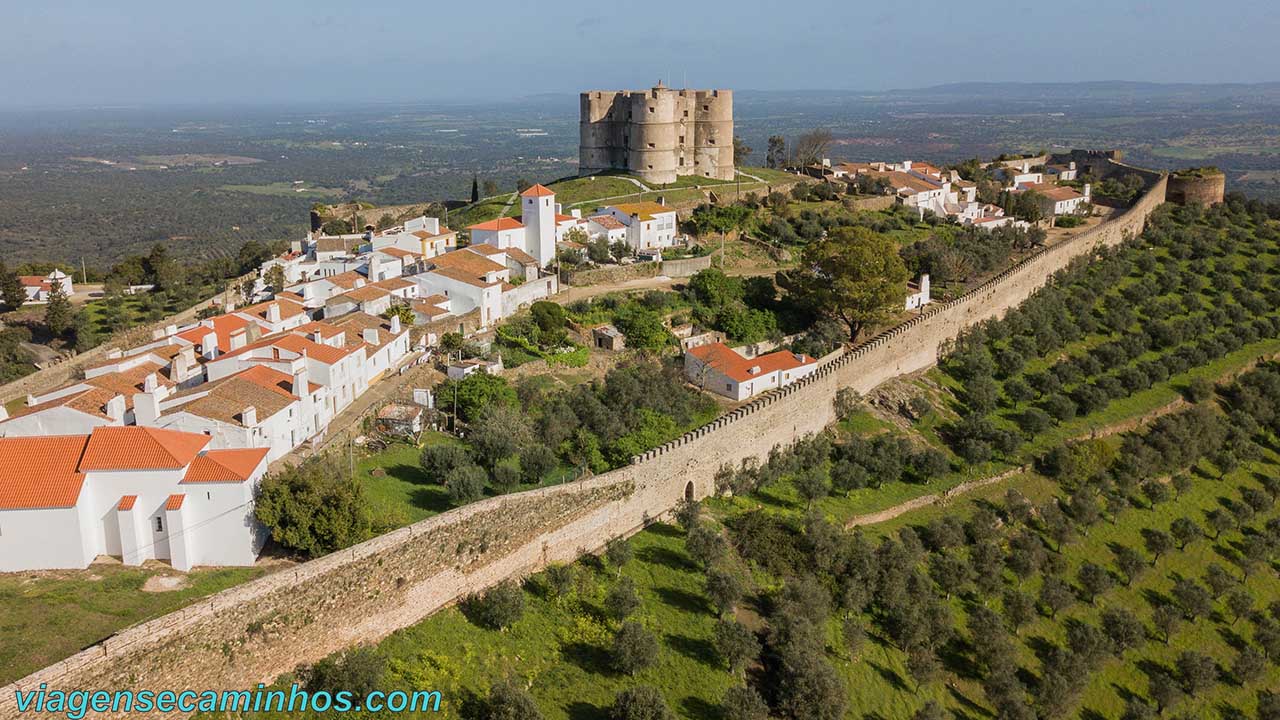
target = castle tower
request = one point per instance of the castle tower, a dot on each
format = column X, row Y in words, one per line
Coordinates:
column 538, row 214
column 657, row 134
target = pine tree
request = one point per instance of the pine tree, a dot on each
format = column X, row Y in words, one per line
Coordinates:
column 57, row 313
column 12, row 294
column 475, row 189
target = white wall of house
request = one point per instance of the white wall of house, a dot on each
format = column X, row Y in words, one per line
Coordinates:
column 54, row 421
column 528, row 293
column 43, row 539
column 463, row 296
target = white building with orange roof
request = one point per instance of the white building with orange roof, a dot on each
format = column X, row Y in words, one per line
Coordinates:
column 337, row 366
column 38, row 287
column 258, row 407
column 134, row 493
column 276, row 315
column 718, row 368
column 650, row 225
column 478, row 277
column 1059, row 199
column 103, row 399
column 537, row 230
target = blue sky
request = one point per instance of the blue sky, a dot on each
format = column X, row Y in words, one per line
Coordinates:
column 77, row 52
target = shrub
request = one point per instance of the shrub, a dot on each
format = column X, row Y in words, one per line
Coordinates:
column 507, row 701
column 465, row 484
column 358, row 671
column 640, row 703
column 498, row 608
column 634, row 648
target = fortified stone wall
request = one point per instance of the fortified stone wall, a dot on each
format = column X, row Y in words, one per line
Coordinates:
column 256, row 631
column 1207, row 189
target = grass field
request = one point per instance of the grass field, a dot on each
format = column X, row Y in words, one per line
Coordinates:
column 399, row 491
column 49, row 615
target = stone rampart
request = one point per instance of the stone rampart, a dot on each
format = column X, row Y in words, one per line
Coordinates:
column 256, row 631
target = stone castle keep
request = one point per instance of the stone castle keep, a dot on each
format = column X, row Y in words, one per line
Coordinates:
column 657, row 134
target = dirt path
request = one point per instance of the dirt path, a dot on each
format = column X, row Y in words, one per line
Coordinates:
column 966, row 487
column 658, row 282
column 932, row 499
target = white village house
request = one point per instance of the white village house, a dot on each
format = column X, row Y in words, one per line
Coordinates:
column 718, row 368
column 133, row 493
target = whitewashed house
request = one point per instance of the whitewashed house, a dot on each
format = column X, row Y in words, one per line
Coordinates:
column 716, row 367
column 129, row 492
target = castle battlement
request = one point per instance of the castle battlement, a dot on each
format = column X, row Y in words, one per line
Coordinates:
column 657, row 134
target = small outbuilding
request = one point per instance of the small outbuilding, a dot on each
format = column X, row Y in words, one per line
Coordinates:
column 608, row 337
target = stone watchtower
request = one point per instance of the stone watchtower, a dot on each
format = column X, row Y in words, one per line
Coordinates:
column 657, row 134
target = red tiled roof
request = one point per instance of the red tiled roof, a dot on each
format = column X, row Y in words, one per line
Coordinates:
column 722, row 358
column 288, row 308
column 140, row 448
column 537, row 190
column 40, row 472
column 367, row 293
column 521, row 256
column 503, row 223
column 394, row 283
column 224, row 326
column 608, row 222
column 1057, row 193
column 484, row 249
column 560, row 217
column 174, row 502
column 225, row 465
column 126, row 502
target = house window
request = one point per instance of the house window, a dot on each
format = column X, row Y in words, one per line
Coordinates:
column 651, row 145
column 706, row 108
column 711, row 141
column 650, row 167
column 728, row 386
column 650, row 108
column 208, row 496
column 159, row 524
column 681, row 161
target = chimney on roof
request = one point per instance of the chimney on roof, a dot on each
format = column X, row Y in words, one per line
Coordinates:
column 273, row 313
column 239, row 339
column 115, row 408
column 209, row 346
column 375, row 268
column 149, row 383
column 180, row 366
column 370, row 335
column 300, row 380
column 170, row 330
column 31, row 399
column 395, row 324
column 146, row 409
column 249, row 416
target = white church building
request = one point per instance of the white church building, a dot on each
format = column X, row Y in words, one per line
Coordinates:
column 130, row 492
column 536, row 232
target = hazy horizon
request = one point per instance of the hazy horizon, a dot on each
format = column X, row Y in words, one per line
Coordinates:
column 80, row 54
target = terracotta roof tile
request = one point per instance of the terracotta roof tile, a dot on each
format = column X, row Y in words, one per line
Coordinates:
column 40, row 472
column 140, row 448
column 223, row 328
column 225, row 465
column 126, row 502
column 394, row 283
column 503, row 223
column 174, row 502
column 722, row 358
column 537, row 190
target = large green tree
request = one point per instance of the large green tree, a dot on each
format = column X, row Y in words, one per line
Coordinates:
column 12, row 294
column 57, row 313
column 313, row 508
column 854, row 275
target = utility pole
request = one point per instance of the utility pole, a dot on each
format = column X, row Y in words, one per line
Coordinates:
column 84, row 274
